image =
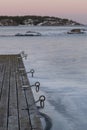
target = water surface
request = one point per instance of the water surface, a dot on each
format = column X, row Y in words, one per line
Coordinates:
column 60, row 63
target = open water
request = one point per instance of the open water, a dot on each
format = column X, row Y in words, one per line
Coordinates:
column 60, row 63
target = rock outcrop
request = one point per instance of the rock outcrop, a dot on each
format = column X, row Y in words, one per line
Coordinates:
column 35, row 21
column 76, row 31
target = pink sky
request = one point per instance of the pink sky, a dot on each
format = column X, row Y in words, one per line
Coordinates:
column 72, row 9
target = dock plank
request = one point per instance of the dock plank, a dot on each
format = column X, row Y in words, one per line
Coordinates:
column 4, row 100
column 13, row 112
column 23, row 115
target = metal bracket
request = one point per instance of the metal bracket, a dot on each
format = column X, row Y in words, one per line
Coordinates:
column 41, row 99
column 25, row 87
column 37, row 85
column 31, row 71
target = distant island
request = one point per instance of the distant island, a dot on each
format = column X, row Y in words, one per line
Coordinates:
column 35, row 21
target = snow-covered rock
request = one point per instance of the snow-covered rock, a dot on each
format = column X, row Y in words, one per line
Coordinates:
column 28, row 33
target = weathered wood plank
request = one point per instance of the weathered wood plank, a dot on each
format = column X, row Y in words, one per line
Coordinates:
column 4, row 100
column 2, row 75
column 13, row 112
column 33, row 113
column 23, row 114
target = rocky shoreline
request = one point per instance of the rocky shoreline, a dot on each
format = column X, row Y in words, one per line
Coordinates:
column 35, row 21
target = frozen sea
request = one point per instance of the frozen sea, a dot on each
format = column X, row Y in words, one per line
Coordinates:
column 60, row 63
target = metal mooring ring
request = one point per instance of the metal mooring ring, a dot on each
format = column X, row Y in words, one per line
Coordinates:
column 42, row 99
column 32, row 71
column 37, row 84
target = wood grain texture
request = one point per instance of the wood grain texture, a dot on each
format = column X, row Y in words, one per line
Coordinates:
column 17, row 105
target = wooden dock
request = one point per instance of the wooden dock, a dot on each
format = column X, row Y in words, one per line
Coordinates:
column 17, row 105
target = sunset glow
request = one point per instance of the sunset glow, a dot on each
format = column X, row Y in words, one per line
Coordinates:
column 72, row 9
